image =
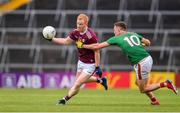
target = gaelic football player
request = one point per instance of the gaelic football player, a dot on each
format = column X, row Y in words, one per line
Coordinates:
column 132, row 45
column 88, row 62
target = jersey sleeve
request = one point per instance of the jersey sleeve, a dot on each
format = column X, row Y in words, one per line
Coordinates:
column 111, row 41
column 72, row 35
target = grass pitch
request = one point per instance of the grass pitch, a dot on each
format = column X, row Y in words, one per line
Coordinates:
column 41, row 100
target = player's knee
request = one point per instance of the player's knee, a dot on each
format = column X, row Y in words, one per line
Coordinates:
column 77, row 85
column 136, row 83
column 142, row 90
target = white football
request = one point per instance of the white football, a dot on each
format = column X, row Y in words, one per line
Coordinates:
column 49, row 32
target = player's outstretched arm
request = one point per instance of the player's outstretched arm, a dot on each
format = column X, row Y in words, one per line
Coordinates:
column 145, row 42
column 63, row 41
column 96, row 46
column 49, row 33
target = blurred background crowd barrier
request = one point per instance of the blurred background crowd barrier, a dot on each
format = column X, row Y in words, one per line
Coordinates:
column 22, row 48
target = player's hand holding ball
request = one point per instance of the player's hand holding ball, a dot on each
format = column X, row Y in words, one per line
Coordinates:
column 49, row 33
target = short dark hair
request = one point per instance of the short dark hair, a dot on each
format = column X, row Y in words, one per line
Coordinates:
column 121, row 24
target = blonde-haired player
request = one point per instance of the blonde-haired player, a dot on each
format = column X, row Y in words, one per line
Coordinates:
column 88, row 62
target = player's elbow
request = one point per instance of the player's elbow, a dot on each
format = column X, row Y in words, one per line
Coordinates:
column 148, row 43
column 96, row 48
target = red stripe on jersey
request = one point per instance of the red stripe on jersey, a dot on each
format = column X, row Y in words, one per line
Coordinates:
column 139, row 72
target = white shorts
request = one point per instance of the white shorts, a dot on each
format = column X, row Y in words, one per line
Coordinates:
column 143, row 68
column 86, row 68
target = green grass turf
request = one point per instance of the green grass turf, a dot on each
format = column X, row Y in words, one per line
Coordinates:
column 41, row 100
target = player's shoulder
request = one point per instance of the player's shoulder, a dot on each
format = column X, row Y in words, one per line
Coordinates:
column 90, row 33
column 74, row 31
column 74, row 34
column 137, row 35
column 133, row 33
column 89, row 29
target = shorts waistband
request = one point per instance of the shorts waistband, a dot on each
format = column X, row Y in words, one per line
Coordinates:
column 143, row 59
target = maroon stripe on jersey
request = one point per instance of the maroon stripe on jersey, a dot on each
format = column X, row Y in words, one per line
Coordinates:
column 139, row 72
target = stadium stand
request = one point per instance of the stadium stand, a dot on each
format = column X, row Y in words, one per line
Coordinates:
column 23, row 49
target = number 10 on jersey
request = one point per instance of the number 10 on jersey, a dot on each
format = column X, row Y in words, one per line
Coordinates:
column 132, row 40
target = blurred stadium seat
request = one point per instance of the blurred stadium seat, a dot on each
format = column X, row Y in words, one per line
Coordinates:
column 23, row 49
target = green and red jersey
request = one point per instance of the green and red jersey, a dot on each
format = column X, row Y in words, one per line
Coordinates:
column 131, row 45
